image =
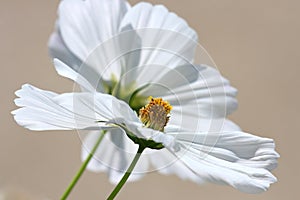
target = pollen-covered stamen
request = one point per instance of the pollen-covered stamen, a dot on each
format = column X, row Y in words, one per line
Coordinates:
column 155, row 114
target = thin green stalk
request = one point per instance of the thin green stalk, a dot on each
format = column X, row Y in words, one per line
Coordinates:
column 127, row 174
column 82, row 168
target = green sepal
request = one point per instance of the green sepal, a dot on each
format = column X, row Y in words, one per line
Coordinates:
column 151, row 144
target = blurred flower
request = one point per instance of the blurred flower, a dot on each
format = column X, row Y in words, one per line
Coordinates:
column 200, row 144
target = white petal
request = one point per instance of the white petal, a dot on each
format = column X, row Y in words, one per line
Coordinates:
column 212, row 169
column 249, row 149
column 116, row 57
column 179, row 76
column 114, row 155
column 86, row 24
column 66, row 71
column 210, row 95
column 230, row 126
column 213, row 125
column 59, row 50
column 235, row 158
column 163, row 80
column 144, row 15
column 167, row 163
column 158, row 29
column 44, row 110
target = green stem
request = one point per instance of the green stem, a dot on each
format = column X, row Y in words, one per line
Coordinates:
column 127, row 174
column 82, row 168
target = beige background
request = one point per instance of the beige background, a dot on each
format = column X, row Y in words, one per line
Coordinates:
column 254, row 43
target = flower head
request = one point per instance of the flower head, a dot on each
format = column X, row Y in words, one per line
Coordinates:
column 107, row 46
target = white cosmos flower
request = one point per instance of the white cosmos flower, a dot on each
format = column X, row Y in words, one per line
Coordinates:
column 131, row 53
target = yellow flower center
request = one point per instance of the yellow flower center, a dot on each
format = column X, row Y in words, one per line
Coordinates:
column 155, row 114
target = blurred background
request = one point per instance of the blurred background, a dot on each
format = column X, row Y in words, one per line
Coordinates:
column 254, row 44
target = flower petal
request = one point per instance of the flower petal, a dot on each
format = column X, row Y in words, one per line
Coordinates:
column 249, row 149
column 212, row 169
column 86, row 24
column 158, row 28
column 44, row 110
column 114, row 155
column 116, row 56
column 212, row 93
column 236, row 158
column 144, row 15
column 167, row 163
column 66, row 71
column 59, row 50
